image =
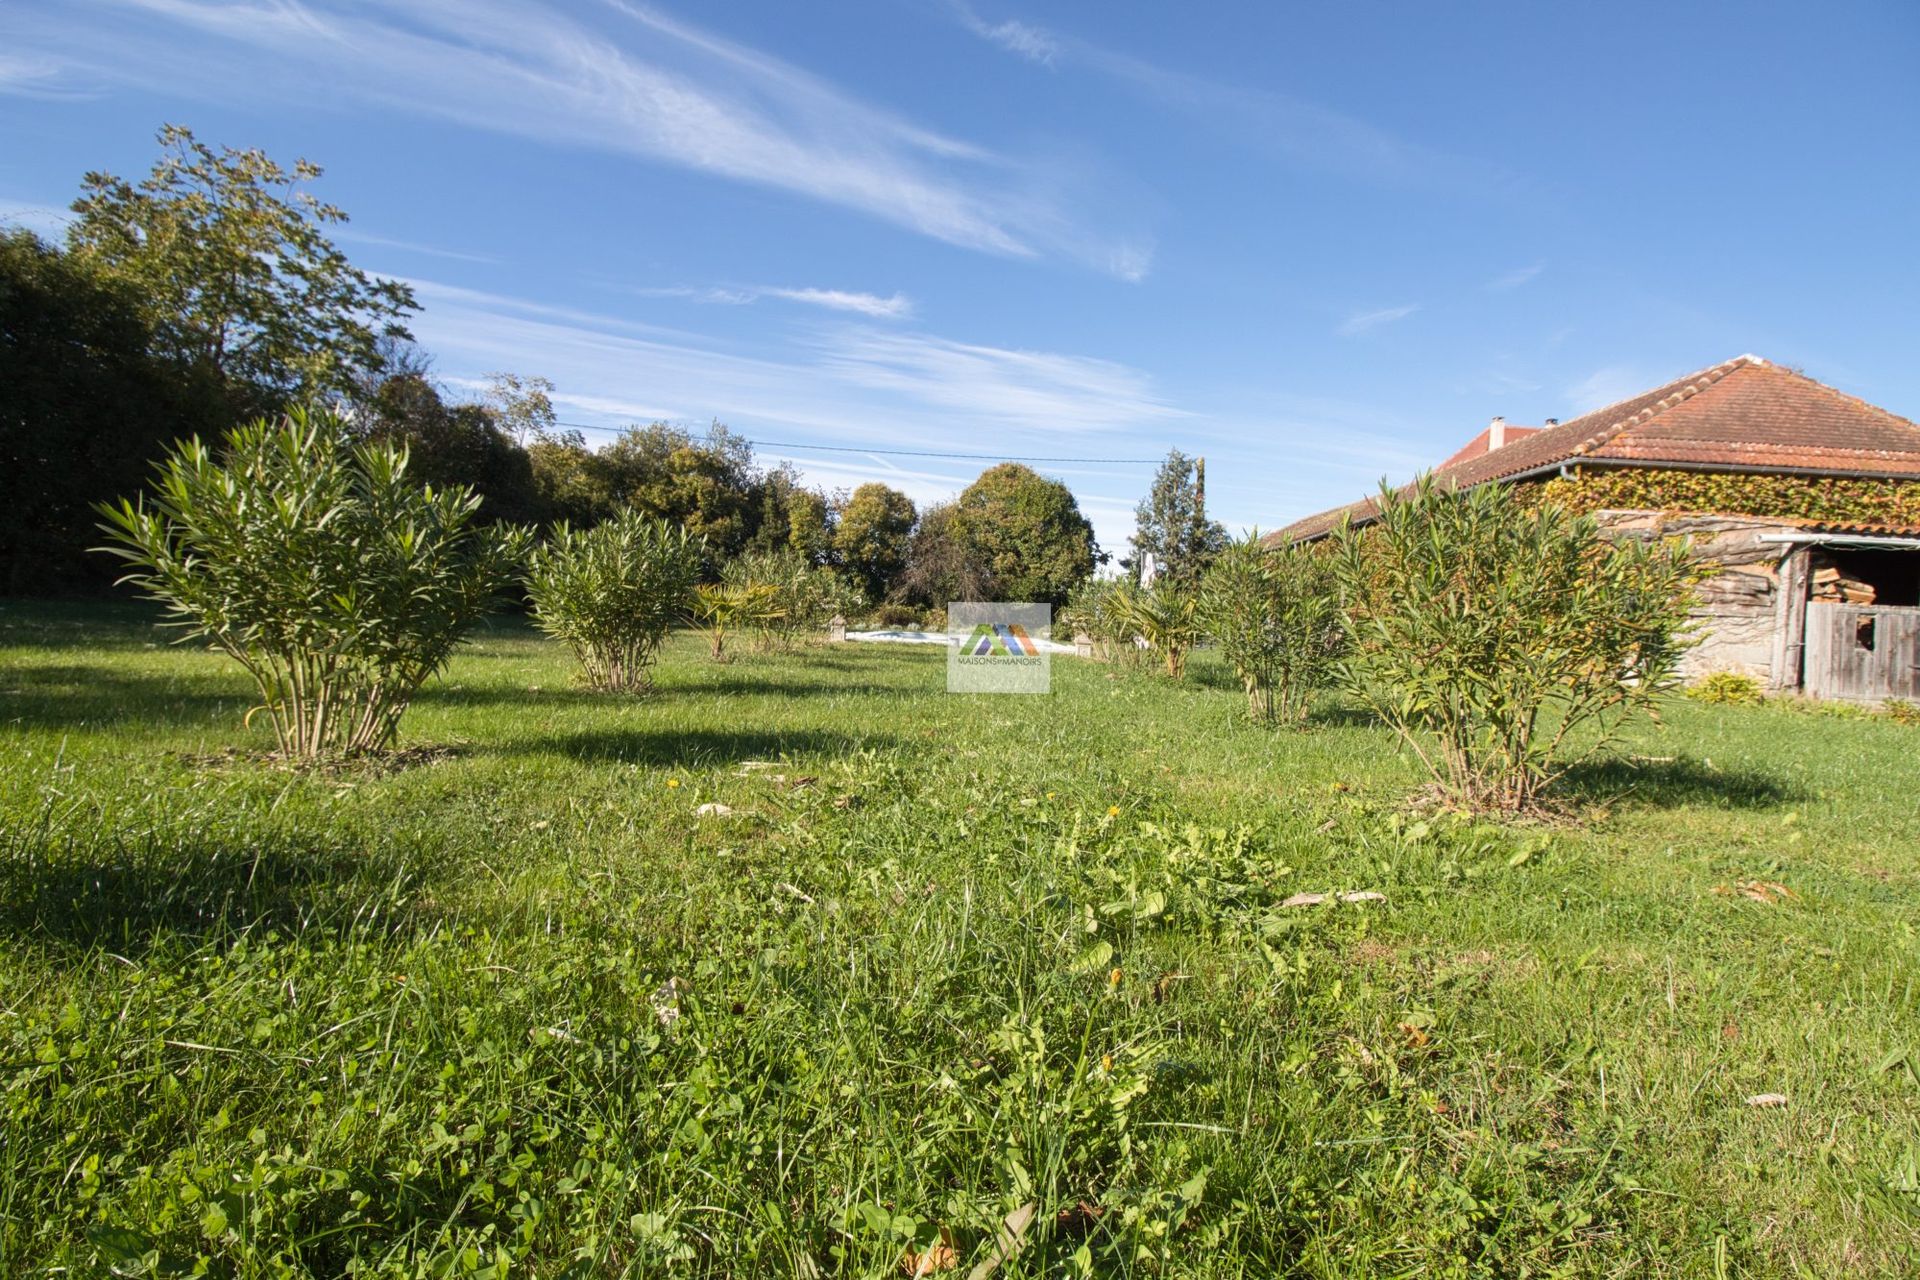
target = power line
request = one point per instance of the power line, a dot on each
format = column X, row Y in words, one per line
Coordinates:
column 904, row 453
column 976, row 457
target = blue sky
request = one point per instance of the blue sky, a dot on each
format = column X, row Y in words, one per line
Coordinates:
column 1316, row 243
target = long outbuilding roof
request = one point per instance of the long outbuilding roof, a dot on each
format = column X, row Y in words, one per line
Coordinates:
column 1744, row 415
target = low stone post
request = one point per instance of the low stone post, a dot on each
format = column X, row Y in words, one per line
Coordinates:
column 837, row 629
column 1082, row 645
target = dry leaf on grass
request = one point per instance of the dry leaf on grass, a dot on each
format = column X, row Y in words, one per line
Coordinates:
column 714, row 809
column 1765, row 892
column 1078, row 1219
column 1767, row 1100
column 1008, row 1241
column 1315, row 899
column 666, row 1001
column 940, row 1256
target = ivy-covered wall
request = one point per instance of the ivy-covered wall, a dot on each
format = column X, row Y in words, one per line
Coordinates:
column 1827, row 499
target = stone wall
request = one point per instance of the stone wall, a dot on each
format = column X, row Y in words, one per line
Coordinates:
column 1739, row 606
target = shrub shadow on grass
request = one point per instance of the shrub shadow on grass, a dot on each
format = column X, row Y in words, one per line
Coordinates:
column 1673, row 783
column 62, row 695
column 1345, row 715
column 1211, row 676
column 696, row 748
column 744, row 684
column 153, row 898
column 674, row 687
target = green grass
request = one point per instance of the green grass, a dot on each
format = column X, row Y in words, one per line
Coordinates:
column 517, row 1010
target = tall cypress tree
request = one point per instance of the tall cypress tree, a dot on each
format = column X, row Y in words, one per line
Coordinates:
column 1171, row 523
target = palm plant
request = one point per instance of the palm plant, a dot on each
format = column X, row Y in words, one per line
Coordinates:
column 719, row 607
column 1165, row 615
column 804, row 595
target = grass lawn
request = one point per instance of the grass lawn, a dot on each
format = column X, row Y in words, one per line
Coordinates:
column 518, row 1009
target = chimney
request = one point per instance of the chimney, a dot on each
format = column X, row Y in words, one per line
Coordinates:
column 1496, row 434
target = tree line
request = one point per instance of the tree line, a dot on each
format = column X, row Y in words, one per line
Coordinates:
column 209, row 294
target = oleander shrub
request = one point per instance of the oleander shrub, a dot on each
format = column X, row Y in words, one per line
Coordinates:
column 320, row 567
column 1274, row 613
column 612, row 593
column 1505, row 642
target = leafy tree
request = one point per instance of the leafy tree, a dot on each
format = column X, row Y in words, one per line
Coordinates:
column 1171, row 523
column 942, row 566
column 1026, row 532
column 451, row 444
column 319, row 566
column 613, row 592
column 1506, row 644
column 85, row 411
column 1275, row 614
column 522, row 407
column 705, row 486
column 230, row 259
column 873, row 537
column 810, row 521
column 569, row 484
column 790, row 515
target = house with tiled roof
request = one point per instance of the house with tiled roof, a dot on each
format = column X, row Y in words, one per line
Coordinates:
column 1808, row 500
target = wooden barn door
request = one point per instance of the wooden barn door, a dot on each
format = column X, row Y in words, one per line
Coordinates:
column 1863, row 651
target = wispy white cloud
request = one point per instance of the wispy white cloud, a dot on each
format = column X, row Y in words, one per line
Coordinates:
column 36, row 75
column 859, row 381
column 1030, row 42
column 1515, row 278
column 893, row 307
column 620, row 77
column 896, row 306
column 1365, row 321
column 700, row 293
column 1028, row 390
column 1604, row 386
column 353, row 235
column 1302, row 131
column 1498, row 382
column 49, row 221
column 843, row 383
column 1131, row 262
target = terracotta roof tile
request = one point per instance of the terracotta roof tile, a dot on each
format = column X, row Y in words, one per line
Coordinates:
column 1745, row 414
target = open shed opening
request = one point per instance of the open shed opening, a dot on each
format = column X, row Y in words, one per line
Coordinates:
column 1867, row 575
